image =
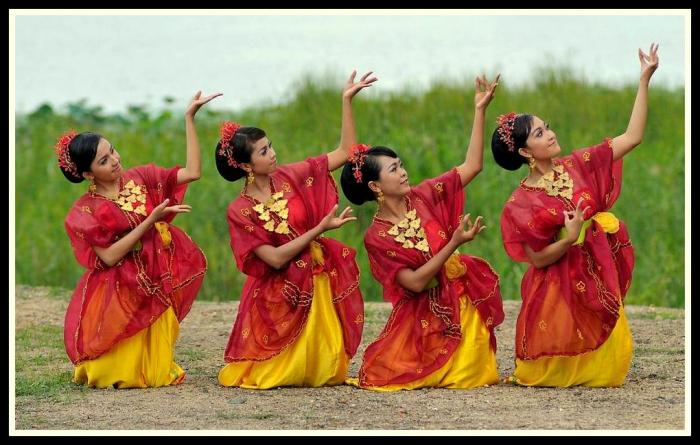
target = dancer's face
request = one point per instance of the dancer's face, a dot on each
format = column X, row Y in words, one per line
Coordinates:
column 393, row 179
column 263, row 159
column 106, row 167
column 542, row 141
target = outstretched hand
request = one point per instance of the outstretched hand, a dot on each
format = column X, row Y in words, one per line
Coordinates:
column 649, row 61
column 330, row 221
column 197, row 102
column 352, row 88
column 485, row 91
column 462, row 235
column 162, row 209
column 573, row 220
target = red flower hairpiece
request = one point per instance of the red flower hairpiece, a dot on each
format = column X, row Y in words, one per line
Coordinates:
column 357, row 157
column 228, row 131
column 506, row 123
column 61, row 149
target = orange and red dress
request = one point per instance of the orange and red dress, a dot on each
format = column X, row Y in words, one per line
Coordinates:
column 572, row 329
column 122, row 322
column 300, row 325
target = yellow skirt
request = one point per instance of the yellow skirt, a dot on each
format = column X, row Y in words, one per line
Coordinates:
column 143, row 360
column 604, row 367
column 316, row 358
column 473, row 363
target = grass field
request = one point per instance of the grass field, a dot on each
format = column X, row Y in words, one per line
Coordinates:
column 429, row 129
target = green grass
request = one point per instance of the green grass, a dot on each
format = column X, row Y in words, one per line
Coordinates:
column 430, row 129
column 35, row 348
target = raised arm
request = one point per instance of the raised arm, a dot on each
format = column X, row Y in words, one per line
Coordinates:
column 624, row 143
column 348, row 137
column 193, row 165
column 473, row 162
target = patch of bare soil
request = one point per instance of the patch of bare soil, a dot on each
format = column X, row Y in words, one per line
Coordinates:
column 652, row 398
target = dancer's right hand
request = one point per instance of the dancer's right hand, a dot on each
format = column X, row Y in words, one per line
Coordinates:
column 461, row 236
column 573, row 220
column 197, row 102
column 352, row 88
column 162, row 209
column 330, row 221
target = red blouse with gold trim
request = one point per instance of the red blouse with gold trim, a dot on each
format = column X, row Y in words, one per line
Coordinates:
column 570, row 307
column 274, row 304
column 165, row 268
column 423, row 329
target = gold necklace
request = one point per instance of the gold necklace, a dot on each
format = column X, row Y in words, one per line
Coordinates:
column 132, row 198
column 409, row 233
column 277, row 205
column 557, row 182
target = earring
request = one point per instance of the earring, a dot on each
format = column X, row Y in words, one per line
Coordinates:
column 251, row 177
column 531, row 163
column 380, row 198
column 92, row 188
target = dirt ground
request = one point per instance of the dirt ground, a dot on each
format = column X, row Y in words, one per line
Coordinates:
column 653, row 397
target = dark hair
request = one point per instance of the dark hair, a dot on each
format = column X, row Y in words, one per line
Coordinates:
column 512, row 160
column 242, row 147
column 359, row 192
column 82, row 150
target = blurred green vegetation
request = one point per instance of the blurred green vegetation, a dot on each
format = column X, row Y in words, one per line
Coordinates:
column 430, row 129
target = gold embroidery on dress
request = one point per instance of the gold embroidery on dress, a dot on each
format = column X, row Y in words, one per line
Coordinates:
column 245, row 333
column 438, row 186
column 586, row 156
column 424, row 324
column 543, row 325
column 132, row 198
column 552, row 211
column 275, row 204
column 586, row 195
column 309, row 181
column 413, row 235
column 245, row 212
column 359, row 319
column 286, row 187
column 581, row 286
column 557, row 183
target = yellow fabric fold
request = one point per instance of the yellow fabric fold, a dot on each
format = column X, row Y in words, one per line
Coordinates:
column 316, row 358
column 164, row 232
column 473, row 363
column 141, row 361
column 606, row 366
column 607, row 221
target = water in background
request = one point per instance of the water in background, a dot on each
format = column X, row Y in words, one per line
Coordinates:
column 116, row 61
